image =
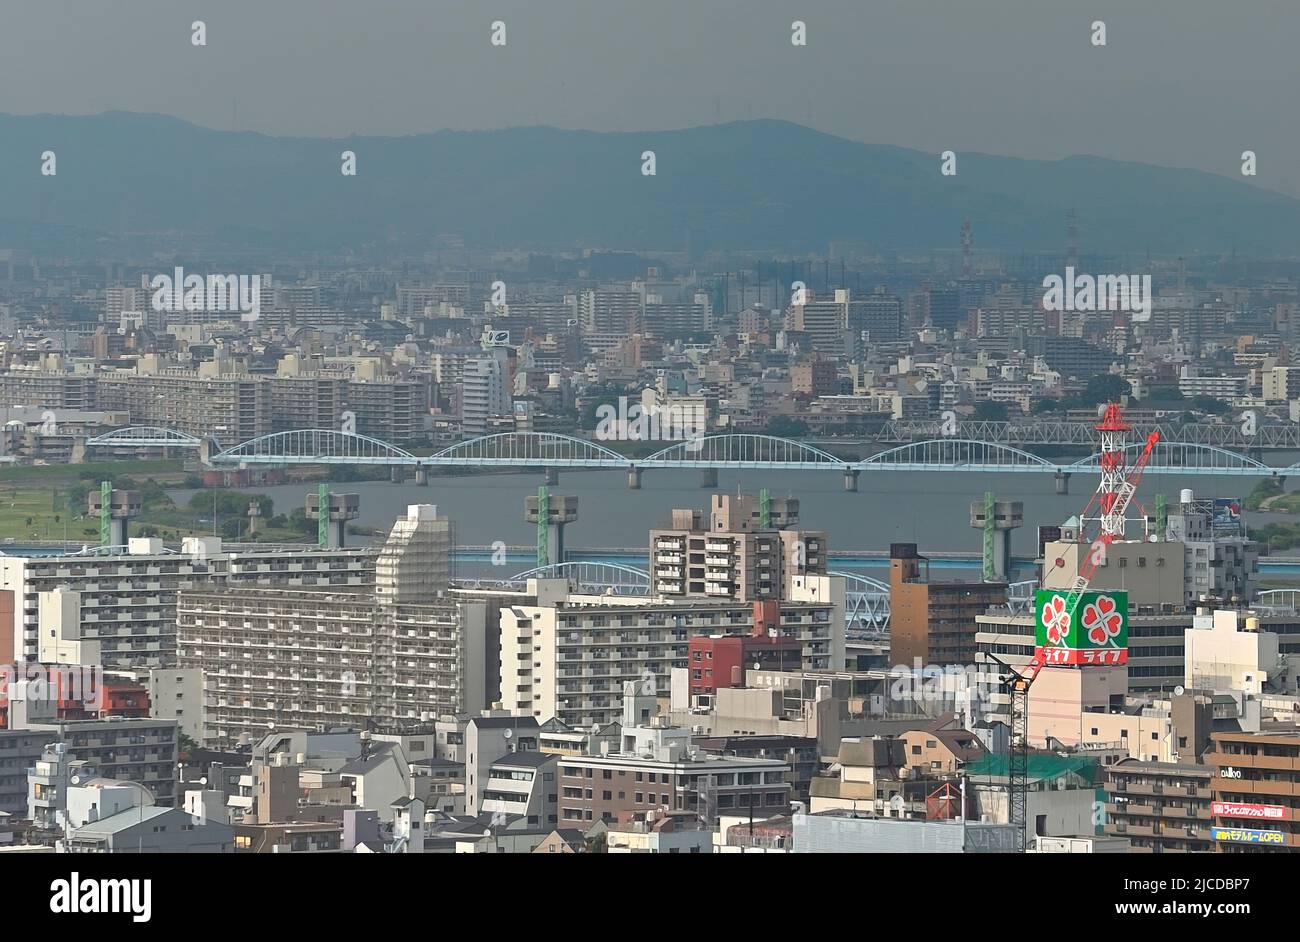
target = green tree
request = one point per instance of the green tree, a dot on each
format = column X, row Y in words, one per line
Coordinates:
column 1106, row 387
column 78, row 496
column 1209, row 405
column 787, row 426
column 989, row 411
column 1166, row 394
column 597, row 396
column 154, row 496
column 229, row 503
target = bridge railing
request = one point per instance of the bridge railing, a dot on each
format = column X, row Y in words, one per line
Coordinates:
column 734, row 451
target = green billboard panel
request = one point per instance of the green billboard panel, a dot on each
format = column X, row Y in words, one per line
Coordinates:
column 1093, row 631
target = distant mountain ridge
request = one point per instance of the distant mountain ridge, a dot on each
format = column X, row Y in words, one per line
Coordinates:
column 753, row 184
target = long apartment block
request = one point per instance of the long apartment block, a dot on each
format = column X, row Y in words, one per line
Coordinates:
column 317, row 658
column 126, row 601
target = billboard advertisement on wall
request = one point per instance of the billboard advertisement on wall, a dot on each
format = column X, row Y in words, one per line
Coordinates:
column 1093, row 631
column 1248, row 836
column 1233, row 809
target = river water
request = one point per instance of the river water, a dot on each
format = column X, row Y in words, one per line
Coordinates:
column 931, row 509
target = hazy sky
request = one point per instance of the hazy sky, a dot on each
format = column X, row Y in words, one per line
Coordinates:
column 1188, row 83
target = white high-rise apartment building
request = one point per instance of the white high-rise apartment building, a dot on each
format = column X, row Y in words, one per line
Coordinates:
column 414, row 564
column 125, row 602
column 397, row 652
column 567, row 655
column 484, row 390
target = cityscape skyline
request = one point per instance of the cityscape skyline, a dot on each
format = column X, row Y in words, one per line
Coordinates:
column 896, row 452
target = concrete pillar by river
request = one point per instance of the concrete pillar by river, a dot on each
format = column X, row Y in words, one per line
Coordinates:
column 398, row 474
column 634, row 478
column 851, row 480
column 1062, row 482
column 421, row 476
column 709, row 477
column 552, row 476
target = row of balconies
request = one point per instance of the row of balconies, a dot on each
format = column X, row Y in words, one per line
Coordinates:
column 1258, row 761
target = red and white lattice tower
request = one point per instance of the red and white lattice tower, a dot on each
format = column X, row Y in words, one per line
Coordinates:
column 1114, row 482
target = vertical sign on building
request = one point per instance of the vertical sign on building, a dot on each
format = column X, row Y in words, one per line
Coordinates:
column 323, row 516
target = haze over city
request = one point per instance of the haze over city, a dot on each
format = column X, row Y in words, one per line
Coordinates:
column 613, row 428
column 1180, row 83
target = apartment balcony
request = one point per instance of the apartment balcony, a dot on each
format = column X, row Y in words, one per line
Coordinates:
column 1263, row 791
column 1190, row 814
column 1142, row 809
column 1243, row 761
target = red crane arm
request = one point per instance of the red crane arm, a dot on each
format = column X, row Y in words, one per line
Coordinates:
column 1096, row 553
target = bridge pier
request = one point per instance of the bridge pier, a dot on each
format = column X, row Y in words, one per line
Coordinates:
column 421, row 476
column 1062, row 482
column 398, row 474
column 551, row 476
column 634, row 478
column 851, row 480
column 709, row 477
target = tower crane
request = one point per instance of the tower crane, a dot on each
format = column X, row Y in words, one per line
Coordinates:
column 1111, row 500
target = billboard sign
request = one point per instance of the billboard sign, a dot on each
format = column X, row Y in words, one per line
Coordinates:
column 1094, row 632
column 1232, row 809
column 1248, row 836
column 1226, row 514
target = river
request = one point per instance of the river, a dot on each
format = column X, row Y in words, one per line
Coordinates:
column 931, row 509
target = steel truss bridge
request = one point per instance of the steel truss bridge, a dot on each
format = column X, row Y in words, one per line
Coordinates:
column 144, row 436
column 1238, row 436
column 1233, row 435
column 866, row 600
column 735, row 451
